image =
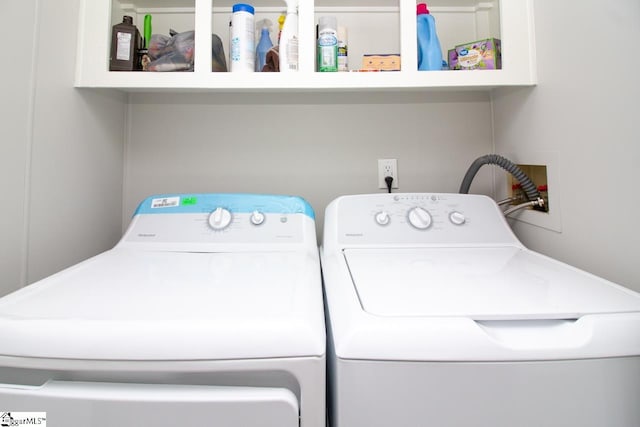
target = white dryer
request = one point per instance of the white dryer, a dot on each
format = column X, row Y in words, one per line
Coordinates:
column 209, row 311
column 438, row 316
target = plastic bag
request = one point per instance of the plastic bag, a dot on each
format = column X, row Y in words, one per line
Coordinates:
column 218, row 61
column 175, row 53
column 171, row 53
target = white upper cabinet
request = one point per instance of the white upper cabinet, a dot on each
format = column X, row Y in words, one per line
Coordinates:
column 374, row 27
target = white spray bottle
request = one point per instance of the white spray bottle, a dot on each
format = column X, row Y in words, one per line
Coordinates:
column 288, row 49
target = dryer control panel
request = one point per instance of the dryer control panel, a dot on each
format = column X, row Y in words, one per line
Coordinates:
column 205, row 222
column 417, row 218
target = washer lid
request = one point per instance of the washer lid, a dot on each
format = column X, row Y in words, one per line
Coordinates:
column 136, row 305
column 501, row 283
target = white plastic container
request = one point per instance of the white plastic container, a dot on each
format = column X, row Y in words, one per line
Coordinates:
column 242, row 41
column 288, row 50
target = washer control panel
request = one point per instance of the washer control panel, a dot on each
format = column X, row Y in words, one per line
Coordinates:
column 222, row 219
column 408, row 218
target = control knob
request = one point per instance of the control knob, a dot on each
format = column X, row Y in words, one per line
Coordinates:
column 257, row 218
column 220, row 219
column 457, row 218
column 419, row 218
column 382, row 218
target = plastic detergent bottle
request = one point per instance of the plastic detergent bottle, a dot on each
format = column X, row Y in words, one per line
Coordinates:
column 429, row 50
column 327, row 44
column 241, row 50
column 288, row 50
column 263, row 45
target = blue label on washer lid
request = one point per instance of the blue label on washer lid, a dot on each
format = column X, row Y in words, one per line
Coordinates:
column 237, row 203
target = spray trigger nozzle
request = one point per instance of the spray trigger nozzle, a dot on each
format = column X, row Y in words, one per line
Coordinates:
column 264, row 24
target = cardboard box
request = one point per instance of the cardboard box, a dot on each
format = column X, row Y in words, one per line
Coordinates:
column 389, row 62
column 452, row 59
column 479, row 55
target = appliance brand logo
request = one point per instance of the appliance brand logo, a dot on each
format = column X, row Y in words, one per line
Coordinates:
column 165, row 202
column 10, row 419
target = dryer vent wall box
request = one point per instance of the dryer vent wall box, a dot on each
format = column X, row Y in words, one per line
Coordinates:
column 209, row 308
column 437, row 312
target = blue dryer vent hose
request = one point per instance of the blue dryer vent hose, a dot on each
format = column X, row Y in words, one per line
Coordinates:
column 528, row 186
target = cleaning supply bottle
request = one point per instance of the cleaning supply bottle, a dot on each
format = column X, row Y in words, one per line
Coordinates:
column 327, row 44
column 125, row 44
column 241, row 51
column 343, row 62
column 281, row 20
column 143, row 52
column 429, row 50
column 288, row 50
column 264, row 44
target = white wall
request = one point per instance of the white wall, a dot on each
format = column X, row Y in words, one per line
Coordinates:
column 15, row 134
column 585, row 112
column 318, row 146
column 61, row 149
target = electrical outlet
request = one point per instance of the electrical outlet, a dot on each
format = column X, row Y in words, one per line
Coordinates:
column 387, row 167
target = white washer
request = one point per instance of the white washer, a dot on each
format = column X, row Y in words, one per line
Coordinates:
column 438, row 316
column 209, row 311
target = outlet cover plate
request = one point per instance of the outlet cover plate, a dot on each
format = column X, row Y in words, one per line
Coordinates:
column 387, row 167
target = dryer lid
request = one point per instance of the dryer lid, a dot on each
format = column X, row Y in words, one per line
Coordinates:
column 501, row 283
column 139, row 305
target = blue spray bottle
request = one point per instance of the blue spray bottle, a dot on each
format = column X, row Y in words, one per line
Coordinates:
column 263, row 45
column 429, row 50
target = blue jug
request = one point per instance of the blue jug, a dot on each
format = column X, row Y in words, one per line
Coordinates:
column 429, row 50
